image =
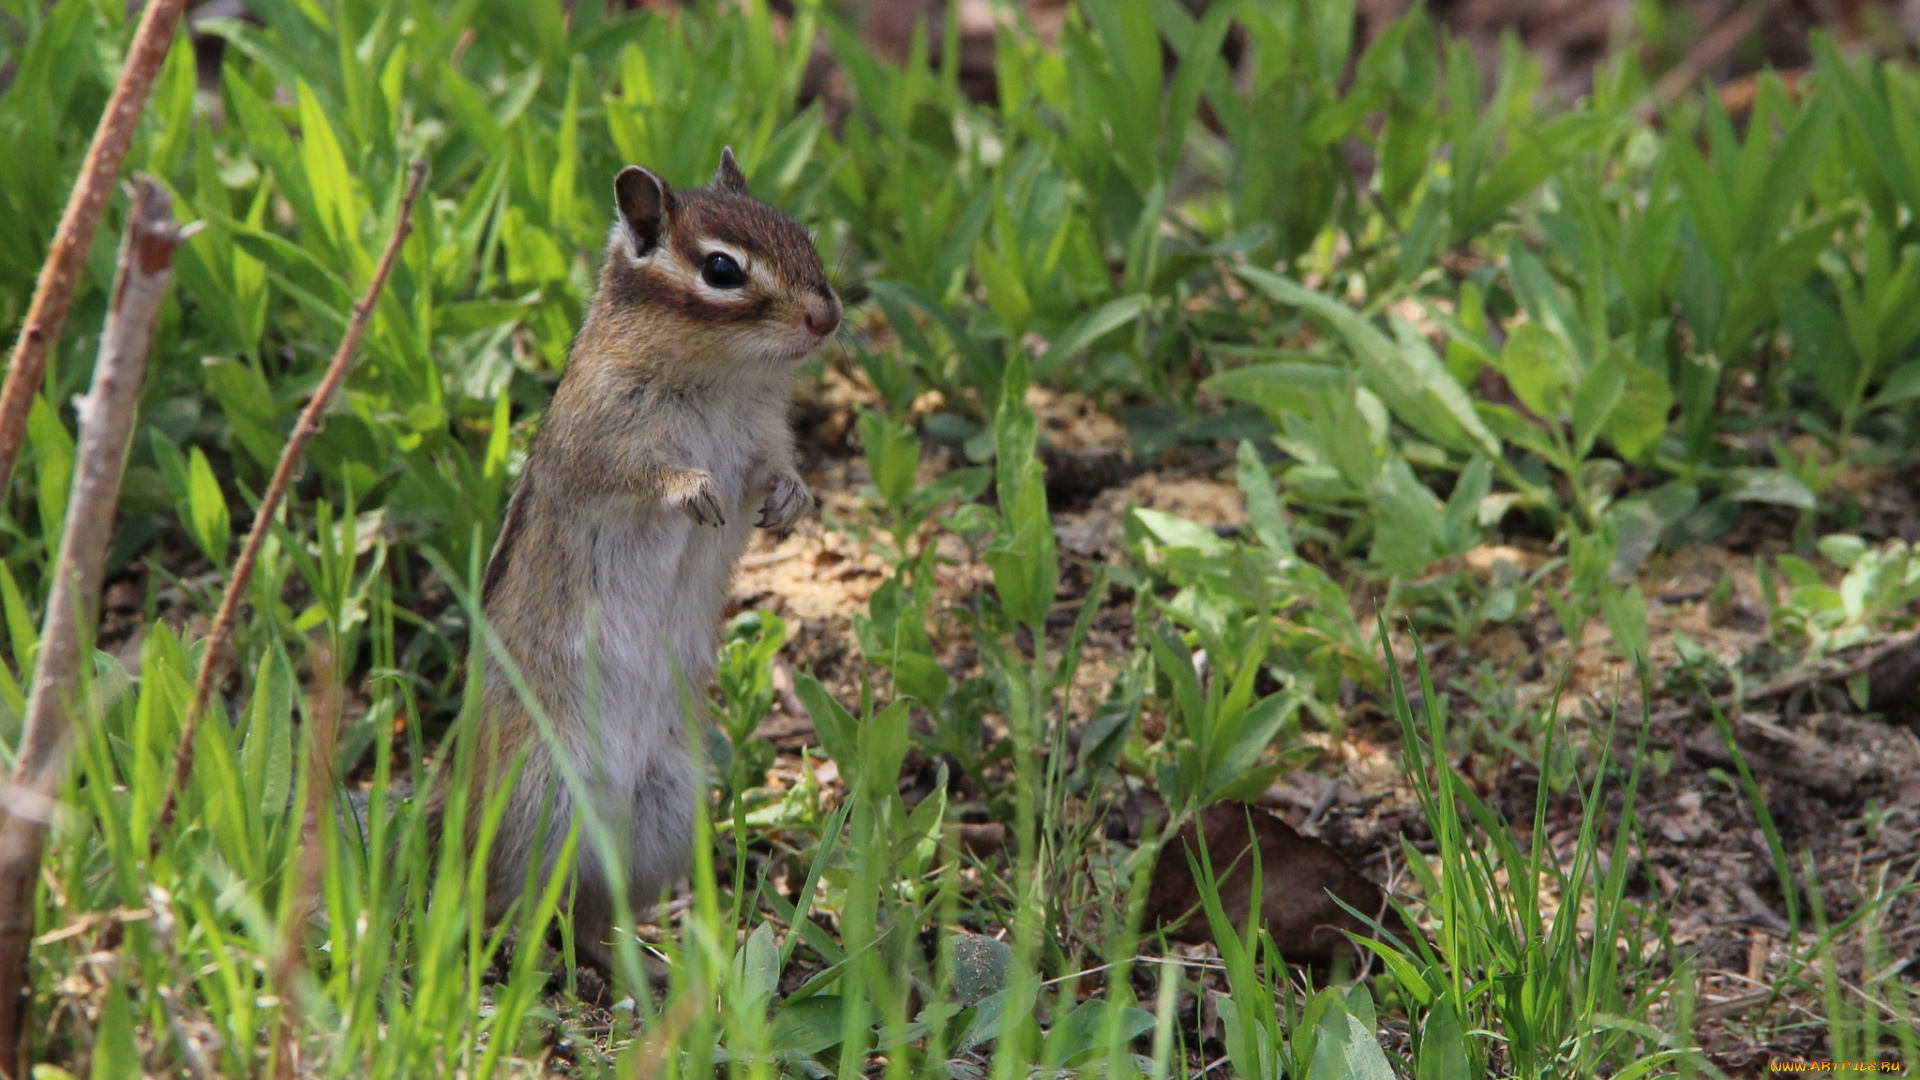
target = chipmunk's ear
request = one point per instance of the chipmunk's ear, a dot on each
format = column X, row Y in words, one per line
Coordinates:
column 645, row 203
column 728, row 176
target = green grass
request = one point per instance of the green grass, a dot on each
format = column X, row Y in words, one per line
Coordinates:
column 1694, row 314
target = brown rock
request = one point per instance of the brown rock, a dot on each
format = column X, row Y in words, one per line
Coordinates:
column 1299, row 878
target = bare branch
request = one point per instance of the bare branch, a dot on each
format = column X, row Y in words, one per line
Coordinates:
column 53, row 293
column 106, row 419
column 213, row 661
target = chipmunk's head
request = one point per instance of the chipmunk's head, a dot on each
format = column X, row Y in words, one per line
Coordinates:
column 717, row 269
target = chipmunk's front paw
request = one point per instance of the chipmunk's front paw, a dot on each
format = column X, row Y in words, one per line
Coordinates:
column 697, row 496
column 787, row 501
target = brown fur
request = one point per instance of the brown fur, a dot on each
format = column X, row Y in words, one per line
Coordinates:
column 665, row 434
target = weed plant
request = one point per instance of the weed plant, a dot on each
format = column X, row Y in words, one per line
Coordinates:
column 1684, row 314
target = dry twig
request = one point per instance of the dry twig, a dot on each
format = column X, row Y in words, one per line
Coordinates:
column 106, row 418
column 218, row 639
column 1779, row 688
column 1711, row 49
column 53, row 293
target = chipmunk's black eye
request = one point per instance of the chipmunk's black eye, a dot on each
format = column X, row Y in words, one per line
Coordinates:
column 722, row 272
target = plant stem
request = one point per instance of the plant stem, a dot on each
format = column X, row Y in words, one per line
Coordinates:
column 106, row 419
column 218, row 639
column 53, row 293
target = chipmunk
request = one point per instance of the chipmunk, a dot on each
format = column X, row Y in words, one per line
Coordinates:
column 665, row 445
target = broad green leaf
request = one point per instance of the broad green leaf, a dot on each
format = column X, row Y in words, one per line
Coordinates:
column 1346, row 1049
column 1084, row 1030
column 1869, row 121
column 1236, row 756
column 809, row 1025
column 898, row 302
column 1540, row 368
column 756, row 967
column 267, row 141
column 1594, row 400
column 1360, row 1006
column 1269, row 521
column 920, row 677
column 1200, row 64
column 883, row 747
column 1409, row 522
column 777, row 170
column 327, row 173
column 267, row 752
column 1171, row 657
column 962, row 484
column 1470, row 490
column 1821, row 346
column 1789, row 168
column 1768, row 486
column 1640, row 521
column 1249, row 1046
column 1709, row 204
column 893, row 456
column 1545, row 301
column 1798, row 571
column 23, row 636
column 1023, row 557
column 116, row 1056
column 988, row 1016
column 1280, row 387
column 1842, row 550
column 1442, row 1053
column 563, row 186
column 13, row 706
column 839, row 732
column 473, row 120
column 1175, row 531
column 1006, row 293
column 1418, row 987
column 207, row 515
column 1015, row 429
column 301, row 272
column 1095, row 325
column 1526, row 434
column 1411, row 379
column 1529, row 161
column 1639, row 418
column 53, row 459
column 249, row 409
column 1625, row 609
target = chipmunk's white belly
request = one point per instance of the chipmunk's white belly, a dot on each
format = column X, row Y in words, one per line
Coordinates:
column 662, row 581
column 659, row 583
column 643, row 645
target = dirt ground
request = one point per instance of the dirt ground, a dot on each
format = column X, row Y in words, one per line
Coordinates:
column 1842, row 788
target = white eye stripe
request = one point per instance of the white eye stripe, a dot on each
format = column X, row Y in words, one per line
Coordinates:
column 668, row 261
column 708, row 247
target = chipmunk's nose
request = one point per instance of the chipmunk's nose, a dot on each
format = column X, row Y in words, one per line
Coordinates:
column 823, row 312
